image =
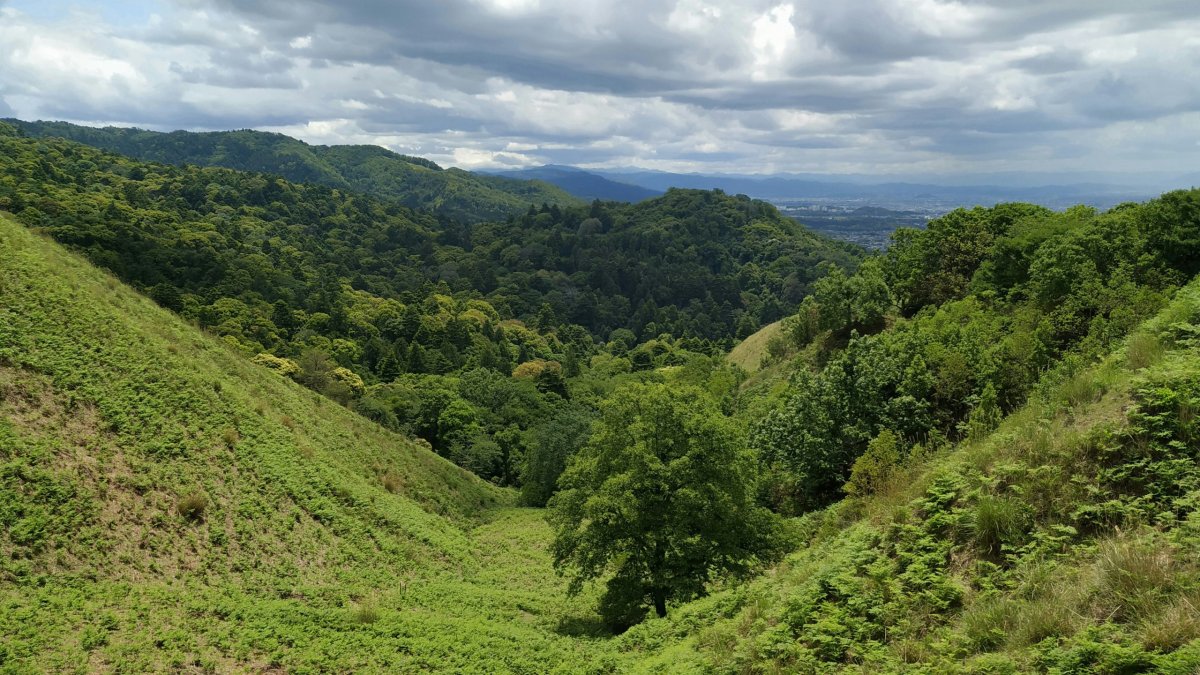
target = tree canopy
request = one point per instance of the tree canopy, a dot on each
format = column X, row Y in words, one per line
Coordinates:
column 413, row 181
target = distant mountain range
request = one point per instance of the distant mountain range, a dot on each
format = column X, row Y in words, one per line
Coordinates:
column 934, row 194
column 937, row 196
column 585, row 184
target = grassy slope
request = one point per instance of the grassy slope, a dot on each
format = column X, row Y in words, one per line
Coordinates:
column 112, row 410
column 749, row 353
column 1067, row 539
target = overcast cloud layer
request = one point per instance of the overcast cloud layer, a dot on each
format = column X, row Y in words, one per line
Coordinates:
column 872, row 86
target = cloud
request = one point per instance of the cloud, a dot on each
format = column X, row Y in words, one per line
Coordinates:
column 882, row 86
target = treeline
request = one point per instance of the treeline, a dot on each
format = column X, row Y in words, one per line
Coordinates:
column 950, row 329
column 413, row 181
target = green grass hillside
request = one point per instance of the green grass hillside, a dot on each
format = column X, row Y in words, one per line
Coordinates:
column 167, row 505
column 750, row 353
column 413, row 181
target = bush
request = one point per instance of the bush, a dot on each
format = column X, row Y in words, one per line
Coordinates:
column 285, row 367
column 348, row 379
column 377, row 411
column 92, row 638
column 192, row 506
column 802, row 327
column 872, row 470
column 778, row 349
column 1185, row 661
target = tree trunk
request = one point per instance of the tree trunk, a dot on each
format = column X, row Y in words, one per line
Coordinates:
column 658, row 589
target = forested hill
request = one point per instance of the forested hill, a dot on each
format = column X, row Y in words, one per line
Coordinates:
column 691, row 263
column 415, row 182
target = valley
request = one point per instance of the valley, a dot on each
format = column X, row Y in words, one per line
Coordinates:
column 251, row 424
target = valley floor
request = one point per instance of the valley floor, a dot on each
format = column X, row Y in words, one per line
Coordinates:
column 507, row 612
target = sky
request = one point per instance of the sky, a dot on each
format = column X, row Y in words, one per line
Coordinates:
column 887, row 87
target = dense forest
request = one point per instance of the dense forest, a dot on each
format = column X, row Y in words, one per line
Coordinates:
column 401, row 313
column 413, row 181
column 972, row 452
column 949, row 330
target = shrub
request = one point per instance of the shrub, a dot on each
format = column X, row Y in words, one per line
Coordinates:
column 1184, row 661
column 348, row 379
column 285, row 367
column 230, row 437
column 92, row 638
column 804, row 325
column 377, row 411
column 872, row 470
column 984, row 416
column 192, row 506
column 778, row 348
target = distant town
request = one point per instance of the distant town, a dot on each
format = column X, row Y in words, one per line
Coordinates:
column 853, row 221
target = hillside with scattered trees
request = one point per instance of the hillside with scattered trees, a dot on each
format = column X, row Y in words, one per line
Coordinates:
column 974, row 451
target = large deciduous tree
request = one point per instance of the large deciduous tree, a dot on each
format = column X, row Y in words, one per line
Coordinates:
column 660, row 501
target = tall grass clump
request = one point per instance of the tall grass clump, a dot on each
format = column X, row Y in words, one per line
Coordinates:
column 1082, row 388
column 1143, row 351
column 366, row 611
column 191, row 507
column 1133, row 577
column 996, row 522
